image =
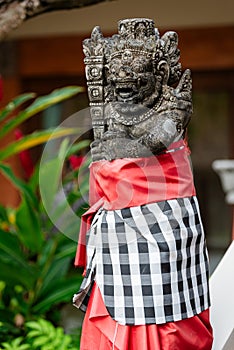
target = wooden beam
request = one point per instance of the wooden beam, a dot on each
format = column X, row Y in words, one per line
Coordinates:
column 207, row 48
column 210, row 80
column 201, row 49
column 51, row 56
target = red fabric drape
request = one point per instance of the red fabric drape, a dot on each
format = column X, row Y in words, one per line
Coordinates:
column 130, row 182
column 99, row 331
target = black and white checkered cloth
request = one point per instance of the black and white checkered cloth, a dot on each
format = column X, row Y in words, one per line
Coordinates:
column 150, row 262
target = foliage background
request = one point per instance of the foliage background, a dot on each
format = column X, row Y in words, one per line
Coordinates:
column 37, row 275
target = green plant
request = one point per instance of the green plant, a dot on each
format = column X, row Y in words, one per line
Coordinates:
column 15, row 344
column 46, row 337
column 36, row 277
column 42, row 335
column 11, row 121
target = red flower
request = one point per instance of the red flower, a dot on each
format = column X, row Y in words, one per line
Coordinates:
column 25, row 157
column 75, row 161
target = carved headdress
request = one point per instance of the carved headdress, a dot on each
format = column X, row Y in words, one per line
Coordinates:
column 104, row 57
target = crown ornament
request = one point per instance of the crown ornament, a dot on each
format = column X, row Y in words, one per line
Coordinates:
column 130, row 78
column 135, row 37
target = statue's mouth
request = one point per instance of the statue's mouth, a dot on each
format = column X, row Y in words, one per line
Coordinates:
column 126, row 91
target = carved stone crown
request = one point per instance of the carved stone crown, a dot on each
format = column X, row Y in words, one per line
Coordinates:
column 136, row 37
column 136, row 27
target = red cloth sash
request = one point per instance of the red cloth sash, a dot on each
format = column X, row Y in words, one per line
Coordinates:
column 129, row 182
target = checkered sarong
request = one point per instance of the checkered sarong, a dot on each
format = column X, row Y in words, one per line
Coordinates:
column 150, row 262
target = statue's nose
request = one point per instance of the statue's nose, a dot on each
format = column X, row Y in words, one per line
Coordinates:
column 125, row 72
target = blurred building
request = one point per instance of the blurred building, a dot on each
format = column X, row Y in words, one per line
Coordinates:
column 46, row 53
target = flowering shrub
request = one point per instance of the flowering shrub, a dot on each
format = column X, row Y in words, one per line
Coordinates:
column 36, row 275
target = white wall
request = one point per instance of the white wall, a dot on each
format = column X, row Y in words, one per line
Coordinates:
column 222, row 300
column 169, row 14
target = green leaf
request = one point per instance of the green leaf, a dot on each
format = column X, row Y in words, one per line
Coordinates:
column 33, row 181
column 67, row 251
column 11, row 246
column 39, row 105
column 45, row 336
column 47, row 252
column 28, row 223
column 62, row 340
column 49, row 177
column 55, row 260
column 35, row 139
column 15, row 103
column 16, row 345
column 42, row 330
column 10, row 274
column 6, row 346
column 57, row 270
column 62, row 291
column 77, row 147
column 34, row 325
column 33, row 333
column 24, row 347
column 18, row 183
column 41, row 340
column 53, row 196
column 47, row 347
column 3, row 213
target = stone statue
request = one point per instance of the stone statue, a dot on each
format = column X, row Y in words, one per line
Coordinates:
column 141, row 242
column 136, row 110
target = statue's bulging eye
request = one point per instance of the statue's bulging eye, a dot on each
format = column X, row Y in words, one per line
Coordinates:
column 114, row 67
column 141, row 65
column 138, row 67
column 114, row 70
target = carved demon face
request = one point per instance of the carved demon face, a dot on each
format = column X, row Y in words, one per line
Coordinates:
column 132, row 79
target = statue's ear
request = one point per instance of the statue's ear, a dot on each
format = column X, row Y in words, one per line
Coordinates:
column 164, row 69
column 172, row 54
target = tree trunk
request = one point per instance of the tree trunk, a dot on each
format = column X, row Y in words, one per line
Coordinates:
column 15, row 12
